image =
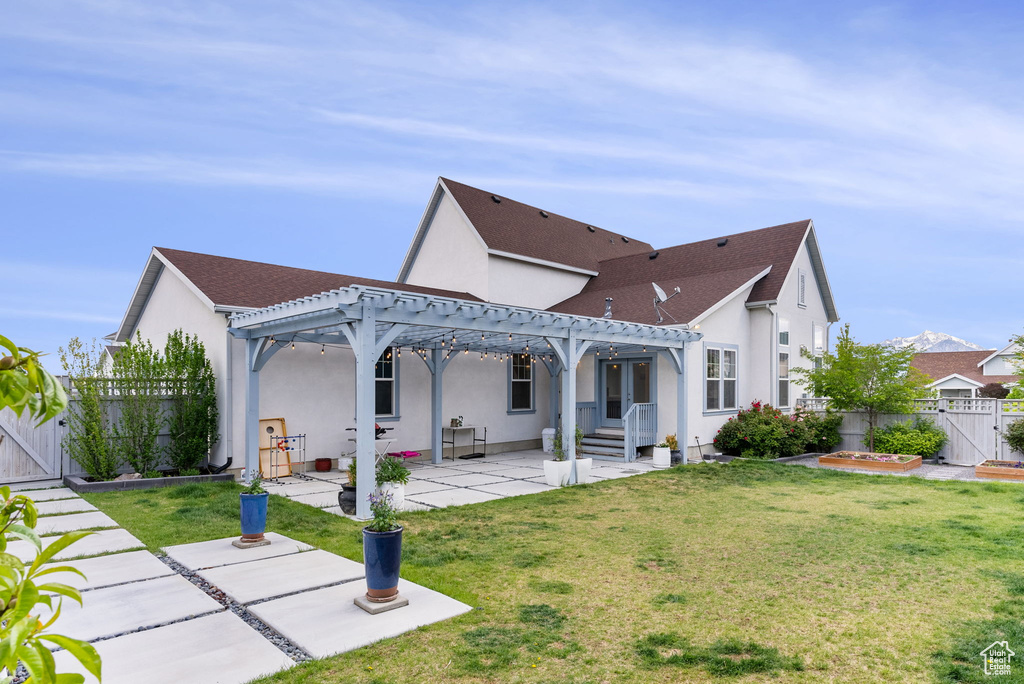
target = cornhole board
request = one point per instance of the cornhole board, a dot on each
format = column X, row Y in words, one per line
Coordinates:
column 282, row 467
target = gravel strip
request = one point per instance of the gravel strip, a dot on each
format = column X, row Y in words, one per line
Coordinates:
column 267, row 632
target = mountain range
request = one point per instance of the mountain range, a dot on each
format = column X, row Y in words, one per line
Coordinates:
column 929, row 341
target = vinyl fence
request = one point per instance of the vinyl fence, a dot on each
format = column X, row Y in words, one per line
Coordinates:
column 974, row 426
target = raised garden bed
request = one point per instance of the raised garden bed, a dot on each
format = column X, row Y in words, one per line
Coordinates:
column 1001, row 470
column 81, row 485
column 866, row 460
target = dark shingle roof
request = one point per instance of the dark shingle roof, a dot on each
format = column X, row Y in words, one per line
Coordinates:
column 939, row 365
column 704, row 272
column 252, row 284
column 518, row 228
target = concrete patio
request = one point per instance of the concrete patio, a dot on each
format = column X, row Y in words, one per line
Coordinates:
column 451, row 482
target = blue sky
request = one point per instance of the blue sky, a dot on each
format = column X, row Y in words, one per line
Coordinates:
column 311, row 133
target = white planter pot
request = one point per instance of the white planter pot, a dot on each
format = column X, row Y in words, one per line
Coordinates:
column 662, row 457
column 583, row 470
column 397, row 490
column 556, row 473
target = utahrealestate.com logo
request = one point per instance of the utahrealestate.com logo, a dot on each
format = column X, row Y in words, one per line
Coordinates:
column 997, row 658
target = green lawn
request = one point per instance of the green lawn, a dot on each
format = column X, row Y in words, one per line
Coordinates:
column 745, row 571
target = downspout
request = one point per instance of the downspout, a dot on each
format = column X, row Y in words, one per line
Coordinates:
column 229, row 394
column 773, row 360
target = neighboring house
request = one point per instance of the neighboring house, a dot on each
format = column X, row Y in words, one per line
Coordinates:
column 748, row 305
column 962, row 374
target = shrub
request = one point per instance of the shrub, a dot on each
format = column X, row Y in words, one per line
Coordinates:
column 1014, row 435
column 918, row 437
column 87, row 440
column 993, row 390
column 138, row 372
column 391, row 469
column 1016, row 393
column 193, row 419
column 823, row 430
column 763, row 431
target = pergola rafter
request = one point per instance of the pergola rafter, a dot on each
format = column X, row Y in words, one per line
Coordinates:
column 369, row 320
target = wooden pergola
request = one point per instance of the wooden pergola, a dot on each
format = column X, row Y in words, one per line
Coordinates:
column 369, row 320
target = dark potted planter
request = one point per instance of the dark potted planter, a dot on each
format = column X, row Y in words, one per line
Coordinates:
column 382, row 559
column 254, row 516
column 676, row 456
column 347, row 499
column 322, row 465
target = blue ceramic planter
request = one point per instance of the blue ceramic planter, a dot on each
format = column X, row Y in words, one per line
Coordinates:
column 254, row 515
column 382, row 557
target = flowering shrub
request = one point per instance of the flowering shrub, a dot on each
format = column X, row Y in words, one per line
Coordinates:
column 385, row 515
column 918, row 437
column 763, row 431
column 881, row 458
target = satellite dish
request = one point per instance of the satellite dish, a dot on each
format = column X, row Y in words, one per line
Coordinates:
column 659, row 297
column 659, row 294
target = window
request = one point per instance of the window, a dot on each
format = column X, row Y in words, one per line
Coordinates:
column 520, row 385
column 720, row 371
column 801, row 294
column 819, row 339
column 384, row 373
column 784, row 332
column 783, row 380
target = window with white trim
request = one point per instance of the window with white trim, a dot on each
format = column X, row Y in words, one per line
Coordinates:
column 384, row 385
column 784, row 332
column 520, row 386
column 819, row 339
column 783, row 379
column 720, row 377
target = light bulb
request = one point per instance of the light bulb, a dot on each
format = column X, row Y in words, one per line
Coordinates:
column 321, row 350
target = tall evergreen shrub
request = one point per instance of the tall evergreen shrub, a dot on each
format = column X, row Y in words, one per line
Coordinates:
column 88, row 440
column 138, row 374
column 193, row 418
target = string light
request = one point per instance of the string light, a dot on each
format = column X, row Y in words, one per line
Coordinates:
column 272, row 340
column 399, row 352
column 293, row 344
column 321, row 350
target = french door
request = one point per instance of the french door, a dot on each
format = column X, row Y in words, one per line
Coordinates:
column 623, row 383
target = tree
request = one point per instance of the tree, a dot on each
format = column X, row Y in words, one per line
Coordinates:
column 138, row 372
column 1018, row 356
column 866, row 377
column 24, row 384
column 993, row 390
column 88, row 440
column 193, row 385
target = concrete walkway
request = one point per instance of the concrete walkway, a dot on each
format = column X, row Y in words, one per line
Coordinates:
column 212, row 613
column 451, row 483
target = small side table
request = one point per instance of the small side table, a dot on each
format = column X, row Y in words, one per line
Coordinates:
column 453, row 430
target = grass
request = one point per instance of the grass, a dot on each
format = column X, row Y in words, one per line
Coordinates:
column 738, row 572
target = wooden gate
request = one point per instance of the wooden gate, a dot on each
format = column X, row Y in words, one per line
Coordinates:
column 1009, row 411
column 27, row 451
column 970, row 425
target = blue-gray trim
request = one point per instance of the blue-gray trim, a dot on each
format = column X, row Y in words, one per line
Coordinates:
column 533, row 390
column 599, row 381
column 704, row 378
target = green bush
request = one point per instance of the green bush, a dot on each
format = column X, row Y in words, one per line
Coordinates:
column 763, row 431
column 1016, row 393
column 1014, row 435
column 193, row 417
column 918, row 437
column 88, row 437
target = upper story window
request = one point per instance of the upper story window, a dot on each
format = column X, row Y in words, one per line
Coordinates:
column 720, row 378
column 819, row 339
column 520, row 384
column 783, row 380
column 385, row 385
column 784, row 332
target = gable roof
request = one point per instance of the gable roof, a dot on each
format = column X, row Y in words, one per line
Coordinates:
column 1008, row 350
column 516, row 230
column 706, row 273
column 940, row 365
column 226, row 284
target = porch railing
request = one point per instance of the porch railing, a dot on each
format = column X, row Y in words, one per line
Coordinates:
column 640, row 428
column 586, row 417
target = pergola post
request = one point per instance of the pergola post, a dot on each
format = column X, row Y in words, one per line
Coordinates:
column 569, row 355
column 678, row 357
column 553, row 392
column 437, row 362
column 253, row 346
column 364, row 346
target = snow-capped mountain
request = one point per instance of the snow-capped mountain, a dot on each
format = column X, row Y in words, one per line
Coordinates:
column 929, row 341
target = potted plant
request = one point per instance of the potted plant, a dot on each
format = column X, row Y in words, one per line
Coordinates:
column 557, row 469
column 392, row 476
column 662, row 455
column 253, row 501
column 673, row 448
column 582, row 464
column 382, row 550
column 347, row 495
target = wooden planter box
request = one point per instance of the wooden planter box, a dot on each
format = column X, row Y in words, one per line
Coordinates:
column 864, row 464
column 999, row 472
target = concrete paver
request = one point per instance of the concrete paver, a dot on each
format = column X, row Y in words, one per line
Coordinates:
column 326, row 621
column 49, row 494
column 297, row 488
column 422, row 486
column 320, row 499
column 473, row 479
column 104, row 571
column 514, row 488
column 76, row 521
column 210, row 554
column 126, row 607
column 270, row 577
column 216, row 649
column 64, row 506
column 452, row 497
column 104, row 541
column 520, row 472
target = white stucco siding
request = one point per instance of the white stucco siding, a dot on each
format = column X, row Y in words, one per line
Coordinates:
column 802, row 319
column 521, row 283
column 452, row 256
column 172, row 305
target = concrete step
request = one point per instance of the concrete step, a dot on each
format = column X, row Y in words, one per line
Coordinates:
column 617, row 432
column 619, row 456
column 603, row 441
column 604, row 450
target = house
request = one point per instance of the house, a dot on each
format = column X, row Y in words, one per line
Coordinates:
column 544, row 320
column 963, row 373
